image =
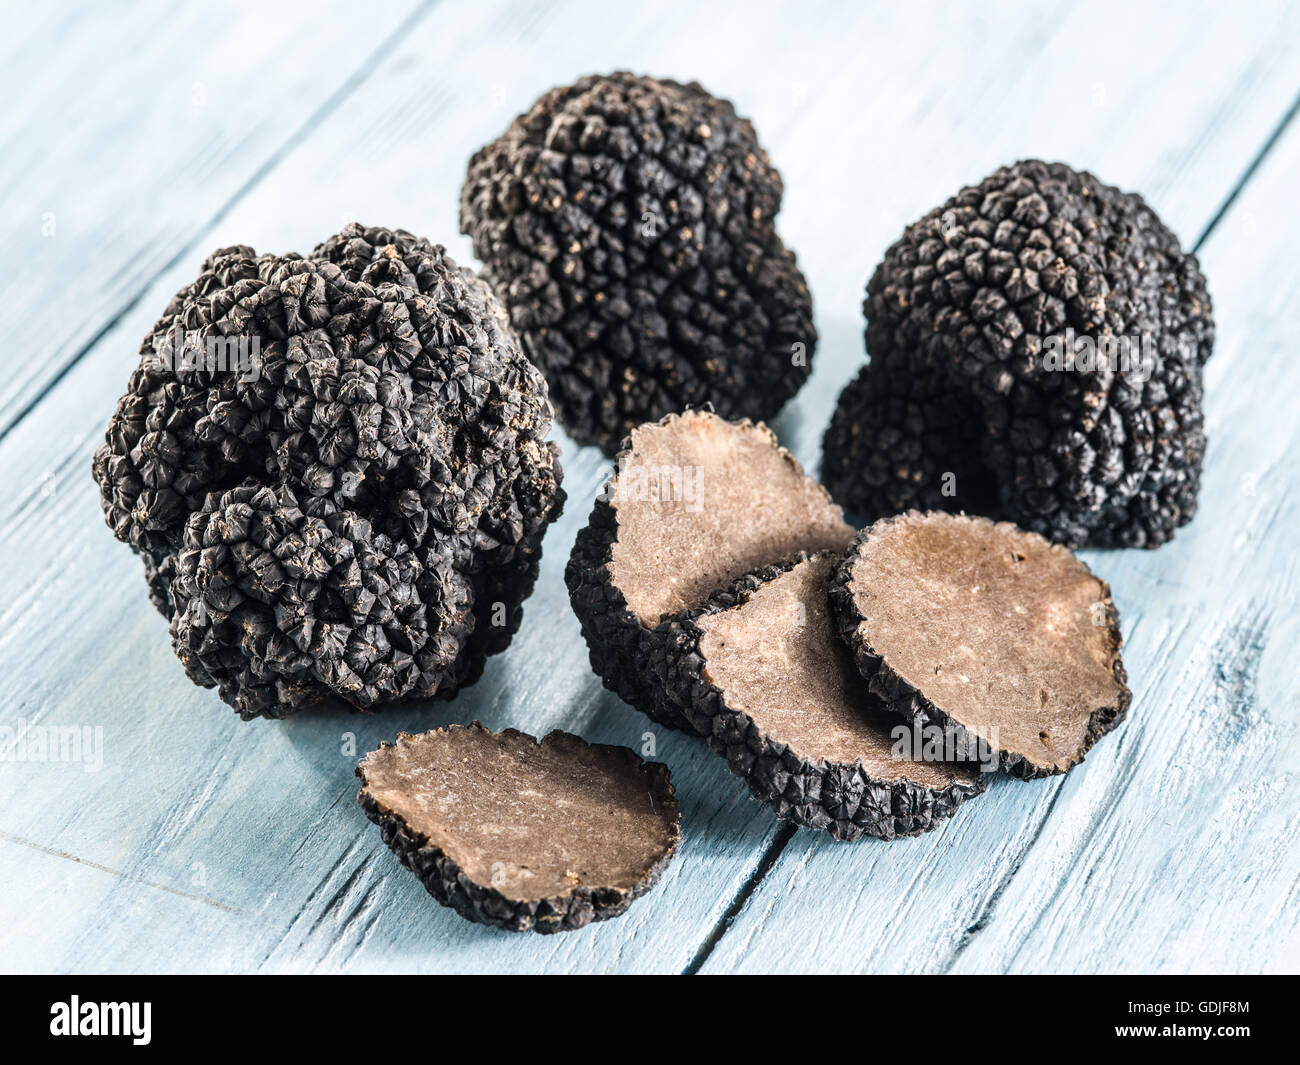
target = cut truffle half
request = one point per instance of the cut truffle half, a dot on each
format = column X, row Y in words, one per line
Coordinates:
column 764, row 674
column 524, row 835
column 988, row 630
column 694, row 503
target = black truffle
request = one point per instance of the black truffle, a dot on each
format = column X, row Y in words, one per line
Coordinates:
column 694, row 503
column 356, row 508
column 545, row 836
column 763, row 673
column 987, row 631
column 1036, row 351
column 628, row 223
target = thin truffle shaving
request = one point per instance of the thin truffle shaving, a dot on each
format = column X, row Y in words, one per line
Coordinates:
column 532, row 820
column 959, row 621
column 700, row 502
column 760, row 672
column 523, row 835
column 776, row 658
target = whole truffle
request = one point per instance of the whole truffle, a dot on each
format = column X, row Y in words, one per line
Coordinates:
column 353, row 507
column 628, row 223
column 1036, row 353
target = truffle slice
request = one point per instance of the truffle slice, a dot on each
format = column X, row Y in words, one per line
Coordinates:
column 1037, row 349
column 985, row 628
column 521, row 834
column 694, row 503
column 629, row 225
column 765, row 676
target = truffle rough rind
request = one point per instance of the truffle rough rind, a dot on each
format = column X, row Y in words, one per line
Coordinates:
column 619, row 646
column 484, row 904
column 904, row 698
column 356, row 511
column 963, row 315
column 630, row 657
column 841, row 799
column 628, row 223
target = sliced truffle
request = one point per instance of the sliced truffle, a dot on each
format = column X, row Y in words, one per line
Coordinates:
column 694, row 503
column 764, row 674
column 1036, row 351
column 629, row 224
column 525, row 835
column 988, row 630
column 352, row 505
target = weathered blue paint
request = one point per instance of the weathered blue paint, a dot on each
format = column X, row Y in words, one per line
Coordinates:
column 150, row 138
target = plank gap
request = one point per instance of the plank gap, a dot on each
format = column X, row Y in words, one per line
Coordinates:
column 985, row 916
column 1247, row 174
column 783, row 836
column 55, row 852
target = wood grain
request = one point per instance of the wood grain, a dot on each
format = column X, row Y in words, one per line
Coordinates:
column 128, row 132
column 204, row 843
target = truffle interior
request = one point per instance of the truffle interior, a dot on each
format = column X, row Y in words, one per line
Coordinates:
column 994, row 625
column 777, row 658
column 701, row 501
column 532, row 820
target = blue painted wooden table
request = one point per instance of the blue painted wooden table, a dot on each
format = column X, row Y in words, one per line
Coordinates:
column 135, row 140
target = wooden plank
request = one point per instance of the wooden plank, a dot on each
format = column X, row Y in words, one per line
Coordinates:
column 288, row 873
column 127, row 131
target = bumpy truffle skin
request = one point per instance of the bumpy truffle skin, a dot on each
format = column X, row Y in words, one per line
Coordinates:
column 620, row 648
column 483, row 904
column 629, row 225
column 838, row 798
column 904, row 699
column 962, row 315
column 358, row 511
